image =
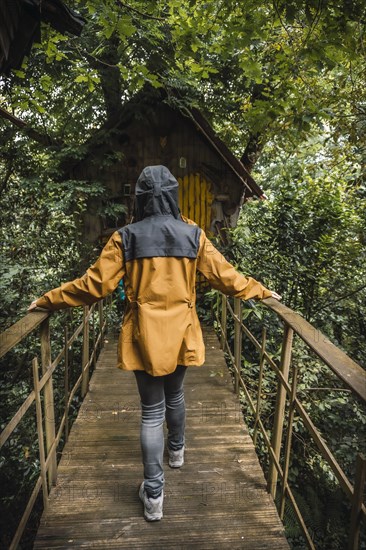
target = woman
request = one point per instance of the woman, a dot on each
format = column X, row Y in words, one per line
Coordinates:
column 157, row 257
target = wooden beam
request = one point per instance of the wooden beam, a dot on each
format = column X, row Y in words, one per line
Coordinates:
column 237, row 340
column 356, row 515
column 49, row 407
column 39, row 417
column 280, row 407
column 13, row 335
column 350, row 372
column 85, row 361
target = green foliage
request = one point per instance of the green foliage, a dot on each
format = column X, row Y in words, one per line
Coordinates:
column 308, row 241
column 262, row 69
column 43, row 246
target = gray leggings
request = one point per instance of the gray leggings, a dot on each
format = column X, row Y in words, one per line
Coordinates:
column 162, row 397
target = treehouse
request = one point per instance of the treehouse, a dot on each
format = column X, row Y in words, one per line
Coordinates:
column 213, row 182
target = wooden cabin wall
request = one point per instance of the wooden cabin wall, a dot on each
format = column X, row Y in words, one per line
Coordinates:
column 163, row 136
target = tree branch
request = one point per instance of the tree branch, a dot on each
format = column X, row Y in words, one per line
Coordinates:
column 94, row 61
column 142, row 14
column 280, row 18
column 9, row 116
column 314, row 22
column 44, row 139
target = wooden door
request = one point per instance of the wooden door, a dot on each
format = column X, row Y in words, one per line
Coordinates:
column 195, row 199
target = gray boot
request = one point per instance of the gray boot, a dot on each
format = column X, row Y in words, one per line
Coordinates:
column 153, row 507
column 176, row 458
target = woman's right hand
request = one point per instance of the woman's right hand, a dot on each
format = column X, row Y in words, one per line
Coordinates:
column 33, row 305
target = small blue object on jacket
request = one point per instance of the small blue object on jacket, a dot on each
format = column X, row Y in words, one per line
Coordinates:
column 121, row 291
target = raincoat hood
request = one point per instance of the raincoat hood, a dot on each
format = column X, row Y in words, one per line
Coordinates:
column 156, row 193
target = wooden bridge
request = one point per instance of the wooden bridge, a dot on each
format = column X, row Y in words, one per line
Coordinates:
column 220, row 498
column 95, row 503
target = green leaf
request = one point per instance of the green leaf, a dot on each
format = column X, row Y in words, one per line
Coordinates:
column 195, row 67
column 125, row 26
column 81, row 78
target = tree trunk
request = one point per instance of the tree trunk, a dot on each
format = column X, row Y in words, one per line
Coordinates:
column 252, row 151
column 110, row 79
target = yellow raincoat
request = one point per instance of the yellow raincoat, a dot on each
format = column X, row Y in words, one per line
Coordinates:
column 160, row 328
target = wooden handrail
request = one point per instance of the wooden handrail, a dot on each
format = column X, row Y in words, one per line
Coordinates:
column 348, row 371
column 17, row 332
column 44, row 382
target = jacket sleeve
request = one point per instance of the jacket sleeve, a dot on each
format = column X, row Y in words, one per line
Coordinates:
column 223, row 276
column 99, row 280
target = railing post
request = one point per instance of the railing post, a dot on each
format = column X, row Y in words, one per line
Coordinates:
column 357, row 500
column 109, row 302
column 223, row 320
column 259, row 393
column 288, row 441
column 85, row 356
column 101, row 322
column 42, row 459
column 93, row 338
column 237, row 341
column 49, row 406
column 71, row 351
column 280, row 408
column 66, row 384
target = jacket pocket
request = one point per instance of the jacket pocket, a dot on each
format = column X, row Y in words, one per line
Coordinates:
column 190, row 337
column 129, row 330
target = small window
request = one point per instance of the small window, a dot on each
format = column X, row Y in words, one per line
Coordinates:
column 126, row 189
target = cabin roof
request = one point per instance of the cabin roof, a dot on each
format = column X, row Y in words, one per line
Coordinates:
column 149, row 97
column 222, row 149
column 20, row 23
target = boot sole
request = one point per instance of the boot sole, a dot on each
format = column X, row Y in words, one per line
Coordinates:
column 172, row 465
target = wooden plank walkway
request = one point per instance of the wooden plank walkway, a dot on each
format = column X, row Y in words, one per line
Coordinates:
column 217, row 500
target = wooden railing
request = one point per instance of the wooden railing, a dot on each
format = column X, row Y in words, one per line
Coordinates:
column 48, row 440
column 351, row 374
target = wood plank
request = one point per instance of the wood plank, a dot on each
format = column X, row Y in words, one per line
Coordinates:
column 95, row 502
column 17, row 332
